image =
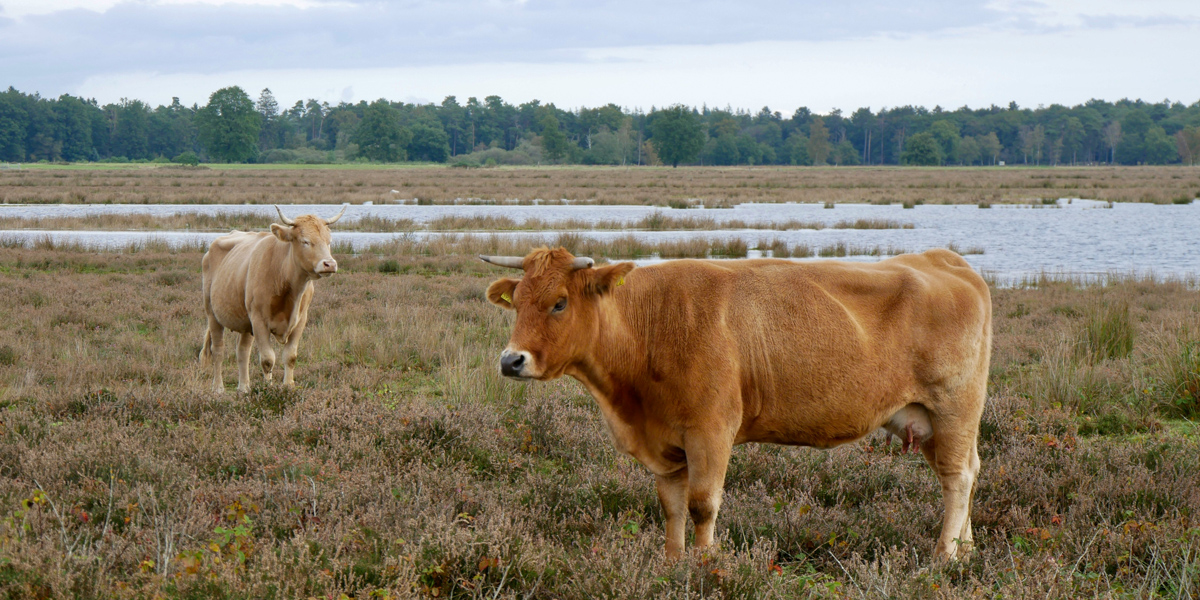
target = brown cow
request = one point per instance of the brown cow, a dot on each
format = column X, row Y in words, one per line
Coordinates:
column 688, row 358
column 259, row 284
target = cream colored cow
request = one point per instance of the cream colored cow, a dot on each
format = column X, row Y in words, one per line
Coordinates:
column 259, row 285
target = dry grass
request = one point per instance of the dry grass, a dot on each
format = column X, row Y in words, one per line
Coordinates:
column 225, row 221
column 620, row 248
column 711, row 186
column 405, row 466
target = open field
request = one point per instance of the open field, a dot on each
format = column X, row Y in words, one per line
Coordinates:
column 405, row 466
column 711, row 186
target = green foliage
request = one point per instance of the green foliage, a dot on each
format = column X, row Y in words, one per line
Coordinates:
column 678, row 137
column 818, row 141
column 1159, row 149
column 1187, row 142
column 797, row 146
column 300, row 156
column 724, row 150
column 969, row 151
column 186, row 158
column 232, row 129
column 554, row 141
column 379, row 135
column 228, row 126
column 429, row 142
column 845, row 154
column 989, row 147
column 131, row 133
column 922, row 149
column 946, row 134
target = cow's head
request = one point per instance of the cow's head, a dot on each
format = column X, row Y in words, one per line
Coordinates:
column 557, row 304
column 309, row 237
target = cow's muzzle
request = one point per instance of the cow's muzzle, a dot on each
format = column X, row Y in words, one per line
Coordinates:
column 326, row 267
column 515, row 364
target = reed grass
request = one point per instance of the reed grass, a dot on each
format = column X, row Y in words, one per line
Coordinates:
column 1108, row 333
column 226, row 221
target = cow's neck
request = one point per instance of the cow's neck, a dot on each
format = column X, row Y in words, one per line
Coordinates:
column 616, row 374
column 290, row 276
column 612, row 362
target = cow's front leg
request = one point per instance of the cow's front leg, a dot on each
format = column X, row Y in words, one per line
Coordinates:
column 245, row 341
column 707, row 458
column 673, row 496
column 292, row 345
column 266, row 354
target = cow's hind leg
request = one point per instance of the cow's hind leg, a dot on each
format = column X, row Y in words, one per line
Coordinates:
column 212, row 353
column 243, row 361
column 953, row 453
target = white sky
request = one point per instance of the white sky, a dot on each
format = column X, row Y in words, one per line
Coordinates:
column 759, row 53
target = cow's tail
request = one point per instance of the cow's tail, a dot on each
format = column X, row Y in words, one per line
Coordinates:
column 206, row 349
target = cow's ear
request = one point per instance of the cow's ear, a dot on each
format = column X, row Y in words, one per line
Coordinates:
column 500, row 292
column 605, row 279
column 283, row 232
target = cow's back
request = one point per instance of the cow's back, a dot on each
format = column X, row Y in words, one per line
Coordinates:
column 226, row 271
column 821, row 349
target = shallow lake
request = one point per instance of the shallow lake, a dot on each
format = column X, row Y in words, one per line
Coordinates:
column 1076, row 237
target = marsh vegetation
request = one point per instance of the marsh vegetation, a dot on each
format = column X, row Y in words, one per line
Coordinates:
column 405, row 466
column 679, row 188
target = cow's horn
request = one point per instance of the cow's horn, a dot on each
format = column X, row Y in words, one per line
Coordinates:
column 583, row 262
column 283, row 219
column 513, row 262
column 337, row 216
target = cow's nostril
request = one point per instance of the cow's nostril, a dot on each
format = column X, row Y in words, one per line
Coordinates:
column 511, row 364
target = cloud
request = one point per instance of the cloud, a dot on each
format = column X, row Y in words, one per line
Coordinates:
column 950, row 71
column 1097, row 14
column 574, row 53
column 205, row 37
column 21, row 8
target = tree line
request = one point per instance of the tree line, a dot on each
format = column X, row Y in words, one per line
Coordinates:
column 234, row 127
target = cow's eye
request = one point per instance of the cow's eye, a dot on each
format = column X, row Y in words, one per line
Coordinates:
column 305, row 242
column 559, row 306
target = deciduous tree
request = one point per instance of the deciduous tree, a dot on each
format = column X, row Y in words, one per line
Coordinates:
column 989, row 147
column 921, row 149
column 554, row 141
column 1187, row 143
column 379, row 135
column 228, row 126
column 676, row 135
column 429, row 142
column 818, row 141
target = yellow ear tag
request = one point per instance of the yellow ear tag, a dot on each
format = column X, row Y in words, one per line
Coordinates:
column 621, row 281
column 505, row 297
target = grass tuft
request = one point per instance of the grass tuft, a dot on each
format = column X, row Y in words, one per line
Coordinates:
column 1108, row 333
